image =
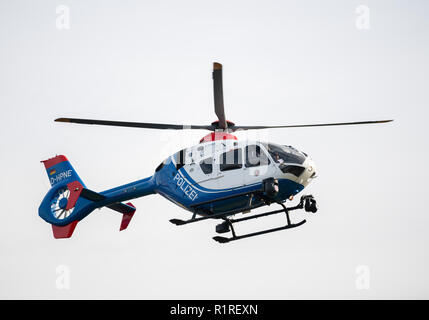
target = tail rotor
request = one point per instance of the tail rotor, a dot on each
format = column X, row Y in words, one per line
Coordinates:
column 59, row 204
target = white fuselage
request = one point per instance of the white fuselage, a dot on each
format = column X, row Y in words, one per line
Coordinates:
column 223, row 164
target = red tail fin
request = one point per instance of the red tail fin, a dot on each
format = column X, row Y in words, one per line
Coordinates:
column 64, row 231
column 126, row 217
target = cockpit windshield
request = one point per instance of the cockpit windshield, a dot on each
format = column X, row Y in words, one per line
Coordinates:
column 284, row 154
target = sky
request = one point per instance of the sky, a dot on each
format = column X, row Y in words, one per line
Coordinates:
column 284, row 62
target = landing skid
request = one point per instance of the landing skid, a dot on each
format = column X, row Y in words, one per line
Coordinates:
column 289, row 225
column 227, row 225
column 248, row 235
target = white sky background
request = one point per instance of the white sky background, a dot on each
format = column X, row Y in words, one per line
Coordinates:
column 284, row 63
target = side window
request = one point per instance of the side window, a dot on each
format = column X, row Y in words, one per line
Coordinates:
column 207, row 165
column 230, row 160
column 256, row 157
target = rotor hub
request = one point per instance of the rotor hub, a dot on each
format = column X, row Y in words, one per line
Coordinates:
column 215, row 124
column 63, row 203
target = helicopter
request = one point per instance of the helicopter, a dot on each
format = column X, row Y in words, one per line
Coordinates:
column 217, row 178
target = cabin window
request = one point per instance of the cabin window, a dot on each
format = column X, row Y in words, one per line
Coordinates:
column 295, row 170
column 255, row 156
column 207, row 165
column 284, row 154
column 231, row 160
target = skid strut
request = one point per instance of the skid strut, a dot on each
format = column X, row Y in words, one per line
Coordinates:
column 227, row 225
column 234, row 237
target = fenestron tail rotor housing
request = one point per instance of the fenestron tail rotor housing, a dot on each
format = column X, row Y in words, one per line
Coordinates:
column 59, row 204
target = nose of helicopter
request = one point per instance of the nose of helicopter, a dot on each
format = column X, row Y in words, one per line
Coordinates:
column 309, row 173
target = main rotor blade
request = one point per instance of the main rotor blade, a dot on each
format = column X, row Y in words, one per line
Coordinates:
column 236, row 128
column 134, row 124
column 218, row 95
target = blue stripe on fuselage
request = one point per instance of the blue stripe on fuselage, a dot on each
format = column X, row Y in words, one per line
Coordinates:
column 180, row 188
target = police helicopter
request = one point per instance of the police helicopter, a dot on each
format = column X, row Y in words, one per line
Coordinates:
column 218, row 178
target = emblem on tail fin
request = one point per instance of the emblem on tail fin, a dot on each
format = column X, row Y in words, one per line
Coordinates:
column 59, row 169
